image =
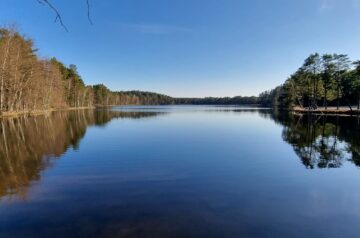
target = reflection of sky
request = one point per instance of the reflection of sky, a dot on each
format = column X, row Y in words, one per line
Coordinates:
column 207, row 172
column 333, row 143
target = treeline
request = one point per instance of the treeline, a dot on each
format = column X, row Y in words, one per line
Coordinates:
column 322, row 81
column 29, row 83
column 218, row 101
column 104, row 96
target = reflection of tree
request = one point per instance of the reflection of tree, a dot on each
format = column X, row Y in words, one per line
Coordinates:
column 28, row 145
column 321, row 141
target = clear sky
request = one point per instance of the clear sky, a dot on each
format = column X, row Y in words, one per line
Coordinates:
column 189, row 47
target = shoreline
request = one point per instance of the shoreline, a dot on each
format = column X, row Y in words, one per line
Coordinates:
column 40, row 112
column 329, row 111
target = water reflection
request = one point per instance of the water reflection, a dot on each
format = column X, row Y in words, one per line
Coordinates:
column 321, row 141
column 29, row 145
column 198, row 172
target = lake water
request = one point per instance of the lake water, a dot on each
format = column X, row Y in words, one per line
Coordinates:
column 179, row 171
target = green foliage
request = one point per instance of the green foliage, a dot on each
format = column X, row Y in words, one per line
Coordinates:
column 321, row 80
column 30, row 83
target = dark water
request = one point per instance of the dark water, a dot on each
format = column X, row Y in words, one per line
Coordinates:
column 179, row 172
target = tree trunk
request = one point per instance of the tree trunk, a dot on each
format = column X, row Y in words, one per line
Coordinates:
column 16, row 87
column 316, row 93
column 338, row 98
column 3, row 74
column 308, row 93
column 347, row 101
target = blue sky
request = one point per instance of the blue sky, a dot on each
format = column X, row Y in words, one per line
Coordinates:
column 189, row 47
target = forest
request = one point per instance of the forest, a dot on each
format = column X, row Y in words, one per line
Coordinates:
column 238, row 100
column 328, row 80
column 29, row 83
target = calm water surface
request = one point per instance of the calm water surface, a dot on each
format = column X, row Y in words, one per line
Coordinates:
column 180, row 171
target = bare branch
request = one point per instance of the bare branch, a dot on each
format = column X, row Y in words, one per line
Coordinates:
column 88, row 12
column 57, row 13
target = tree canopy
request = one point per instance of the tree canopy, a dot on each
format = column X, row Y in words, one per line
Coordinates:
column 323, row 80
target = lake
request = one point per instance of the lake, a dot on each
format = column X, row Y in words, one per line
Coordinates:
column 179, row 171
